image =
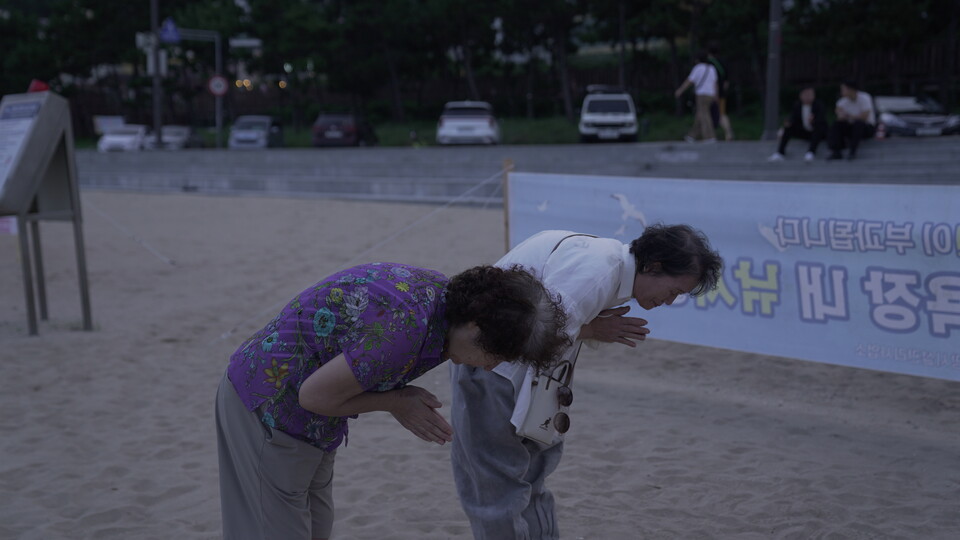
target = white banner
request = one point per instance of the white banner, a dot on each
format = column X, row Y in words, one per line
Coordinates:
column 857, row 275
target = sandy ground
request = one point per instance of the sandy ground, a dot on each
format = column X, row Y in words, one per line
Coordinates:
column 109, row 434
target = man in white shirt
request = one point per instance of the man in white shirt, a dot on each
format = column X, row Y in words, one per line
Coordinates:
column 704, row 79
column 856, row 120
column 499, row 474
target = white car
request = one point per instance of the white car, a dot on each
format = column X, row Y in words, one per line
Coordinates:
column 173, row 138
column 607, row 114
column 126, row 138
column 468, row 122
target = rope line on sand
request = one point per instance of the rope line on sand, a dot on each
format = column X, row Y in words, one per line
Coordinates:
column 372, row 248
column 129, row 234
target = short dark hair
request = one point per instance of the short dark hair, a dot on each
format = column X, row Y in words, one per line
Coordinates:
column 850, row 83
column 680, row 250
column 517, row 316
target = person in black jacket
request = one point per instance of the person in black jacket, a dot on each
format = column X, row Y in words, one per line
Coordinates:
column 807, row 121
column 719, row 111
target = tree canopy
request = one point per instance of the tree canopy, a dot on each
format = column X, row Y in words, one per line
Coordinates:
column 522, row 51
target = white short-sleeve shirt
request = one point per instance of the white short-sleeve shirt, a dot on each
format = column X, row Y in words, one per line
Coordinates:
column 855, row 108
column 704, row 78
column 590, row 275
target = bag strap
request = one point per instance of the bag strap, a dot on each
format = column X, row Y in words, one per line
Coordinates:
column 564, row 238
column 702, row 76
column 573, row 359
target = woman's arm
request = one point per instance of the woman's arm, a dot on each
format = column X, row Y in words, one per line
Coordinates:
column 333, row 390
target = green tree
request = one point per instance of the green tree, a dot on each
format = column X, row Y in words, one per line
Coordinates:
column 27, row 52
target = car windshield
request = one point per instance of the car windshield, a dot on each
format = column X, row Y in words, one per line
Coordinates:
column 335, row 119
column 251, row 125
column 898, row 105
column 608, row 106
column 124, row 131
column 466, row 111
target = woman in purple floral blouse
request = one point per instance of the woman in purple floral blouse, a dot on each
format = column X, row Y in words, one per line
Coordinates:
column 348, row 345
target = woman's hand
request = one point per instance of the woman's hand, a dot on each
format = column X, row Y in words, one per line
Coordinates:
column 415, row 409
column 611, row 326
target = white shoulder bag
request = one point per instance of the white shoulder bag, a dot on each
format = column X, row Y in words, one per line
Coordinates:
column 550, row 395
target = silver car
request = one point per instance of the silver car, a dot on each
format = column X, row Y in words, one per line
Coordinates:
column 174, row 138
column 255, row 132
column 914, row 117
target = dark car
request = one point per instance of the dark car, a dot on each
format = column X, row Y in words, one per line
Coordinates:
column 914, row 117
column 343, row 130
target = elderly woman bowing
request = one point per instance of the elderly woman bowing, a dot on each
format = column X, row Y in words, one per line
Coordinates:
column 348, row 345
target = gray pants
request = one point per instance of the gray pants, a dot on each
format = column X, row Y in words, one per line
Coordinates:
column 272, row 486
column 499, row 475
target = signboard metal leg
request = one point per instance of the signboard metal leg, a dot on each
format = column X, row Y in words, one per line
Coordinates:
column 38, row 268
column 27, row 275
column 82, row 268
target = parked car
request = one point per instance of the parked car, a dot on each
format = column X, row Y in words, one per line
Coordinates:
column 125, row 138
column 343, row 130
column 104, row 123
column 468, row 122
column 914, row 117
column 255, row 132
column 607, row 114
column 174, row 138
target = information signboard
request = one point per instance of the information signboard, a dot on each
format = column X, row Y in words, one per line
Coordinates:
column 38, row 180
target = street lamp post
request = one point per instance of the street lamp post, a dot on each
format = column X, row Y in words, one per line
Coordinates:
column 771, row 117
column 155, row 53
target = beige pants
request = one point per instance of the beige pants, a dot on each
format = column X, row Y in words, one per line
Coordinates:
column 702, row 123
column 272, row 486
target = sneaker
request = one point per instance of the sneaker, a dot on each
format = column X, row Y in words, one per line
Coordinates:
column 776, row 156
column 851, row 156
column 689, row 139
column 808, row 157
column 833, row 156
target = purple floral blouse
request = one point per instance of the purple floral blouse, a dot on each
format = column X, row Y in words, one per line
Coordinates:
column 386, row 318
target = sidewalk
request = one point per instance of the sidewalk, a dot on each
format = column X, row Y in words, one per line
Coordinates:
column 441, row 174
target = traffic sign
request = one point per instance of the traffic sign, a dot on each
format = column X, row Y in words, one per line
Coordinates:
column 217, row 85
column 169, row 33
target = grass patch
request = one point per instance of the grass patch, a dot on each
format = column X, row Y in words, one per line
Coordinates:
column 399, row 133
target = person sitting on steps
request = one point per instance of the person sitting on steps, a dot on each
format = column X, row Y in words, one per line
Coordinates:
column 856, row 120
column 808, row 121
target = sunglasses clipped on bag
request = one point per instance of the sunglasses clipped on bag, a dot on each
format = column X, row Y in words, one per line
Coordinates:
column 562, row 374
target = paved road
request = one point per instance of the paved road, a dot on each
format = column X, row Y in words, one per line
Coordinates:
column 442, row 174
